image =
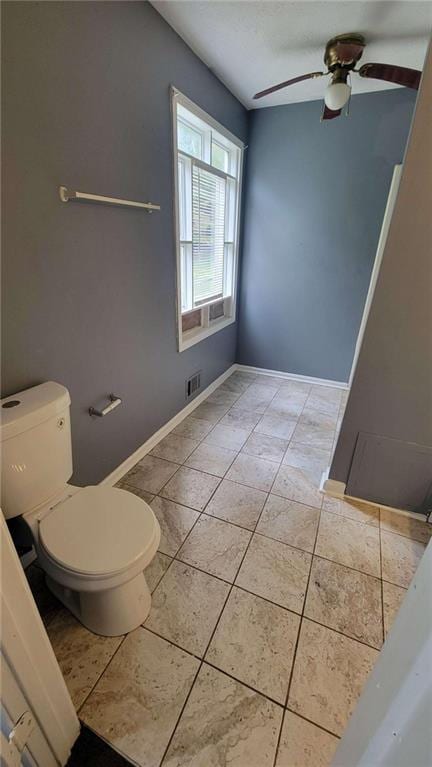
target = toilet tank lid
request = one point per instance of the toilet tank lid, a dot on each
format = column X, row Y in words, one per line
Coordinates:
column 28, row 408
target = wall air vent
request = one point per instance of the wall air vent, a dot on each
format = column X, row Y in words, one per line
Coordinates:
column 193, row 385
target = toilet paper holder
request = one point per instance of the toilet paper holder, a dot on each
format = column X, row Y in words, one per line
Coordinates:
column 114, row 402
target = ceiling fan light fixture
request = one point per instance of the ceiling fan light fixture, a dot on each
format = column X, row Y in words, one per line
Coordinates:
column 336, row 95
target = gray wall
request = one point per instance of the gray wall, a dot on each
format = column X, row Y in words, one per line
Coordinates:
column 391, row 394
column 89, row 297
column 315, row 199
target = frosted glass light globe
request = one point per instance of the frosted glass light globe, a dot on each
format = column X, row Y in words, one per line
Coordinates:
column 337, row 95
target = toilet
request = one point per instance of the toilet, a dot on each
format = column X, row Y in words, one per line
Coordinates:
column 94, row 543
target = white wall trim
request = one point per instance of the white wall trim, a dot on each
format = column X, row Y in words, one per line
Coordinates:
column 337, row 490
column 293, row 376
column 145, row 448
column 332, row 486
column 385, row 226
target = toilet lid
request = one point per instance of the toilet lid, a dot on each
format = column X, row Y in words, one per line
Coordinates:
column 98, row 530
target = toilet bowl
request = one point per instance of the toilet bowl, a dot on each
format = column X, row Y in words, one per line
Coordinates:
column 94, row 543
column 94, row 547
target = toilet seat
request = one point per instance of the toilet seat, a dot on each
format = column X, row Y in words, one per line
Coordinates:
column 99, row 531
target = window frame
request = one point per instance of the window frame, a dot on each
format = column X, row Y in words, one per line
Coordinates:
column 186, row 339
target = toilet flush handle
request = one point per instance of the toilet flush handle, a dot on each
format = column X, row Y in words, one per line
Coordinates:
column 114, row 402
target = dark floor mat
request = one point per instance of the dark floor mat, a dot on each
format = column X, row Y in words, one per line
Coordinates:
column 91, row 751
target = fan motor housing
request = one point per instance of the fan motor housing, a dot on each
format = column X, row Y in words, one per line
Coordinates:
column 344, row 51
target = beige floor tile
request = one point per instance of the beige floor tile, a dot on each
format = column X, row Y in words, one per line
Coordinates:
column 216, row 547
column 251, row 403
column 174, row 448
column 150, row 474
column 303, row 744
column 235, row 385
column 237, row 503
column 240, row 419
column 136, row 703
column 275, row 571
column 313, row 460
column 313, row 436
column 295, row 387
column 211, row 459
column 243, row 375
column 81, row 655
column 223, row 396
column 175, row 523
column 254, row 472
column 274, row 425
column 143, row 494
column 316, row 419
column 194, row 428
column 361, row 512
column 268, row 380
column 191, row 488
column 265, row 383
column 287, row 404
column 224, row 723
column 345, row 600
column 227, row 437
column 297, row 485
column 289, row 522
column 400, row 558
column 416, row 529
column 325, row 400
column 349, row 543
column 393, row 597
column 156, row 569
column 254, row 642
column 210, row 412
column 262, row 446
column 329, row 673
column 186, row 606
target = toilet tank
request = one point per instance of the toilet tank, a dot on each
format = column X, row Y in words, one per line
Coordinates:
column 36, row 447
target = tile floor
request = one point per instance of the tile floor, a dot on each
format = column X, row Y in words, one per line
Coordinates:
column 270, row 601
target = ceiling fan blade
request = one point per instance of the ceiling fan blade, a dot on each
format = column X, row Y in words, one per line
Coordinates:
column 329, row 114
column 410, row 78
column 278, row 87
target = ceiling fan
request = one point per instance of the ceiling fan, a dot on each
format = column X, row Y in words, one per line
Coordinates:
column 341, row 56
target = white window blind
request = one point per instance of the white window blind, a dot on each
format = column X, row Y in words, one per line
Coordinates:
column 208, row 234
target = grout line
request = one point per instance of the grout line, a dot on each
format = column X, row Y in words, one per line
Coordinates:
column 320, row 727
column 206, row 649
column 202, row 661
column 402, row 535
column 245, row 684
column 78, row 710
column 298, row 637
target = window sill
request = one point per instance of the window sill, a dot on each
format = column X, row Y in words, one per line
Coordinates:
column 192, row 337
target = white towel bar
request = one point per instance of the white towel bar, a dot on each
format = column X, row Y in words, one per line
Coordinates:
column 66, row 195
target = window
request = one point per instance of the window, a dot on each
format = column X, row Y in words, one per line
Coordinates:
column 208, row 164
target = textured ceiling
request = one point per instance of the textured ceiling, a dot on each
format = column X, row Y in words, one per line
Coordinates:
column 251, row 45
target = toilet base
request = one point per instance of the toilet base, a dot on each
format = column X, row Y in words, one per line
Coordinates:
column 112, row 612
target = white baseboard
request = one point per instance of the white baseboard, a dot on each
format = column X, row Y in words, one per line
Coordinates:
column 124, row 467
column 336, row 489
column 332, row 486
column 293, row 376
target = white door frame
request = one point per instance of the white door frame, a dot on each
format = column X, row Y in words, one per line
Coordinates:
column 30, row 671
column 394, row 186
